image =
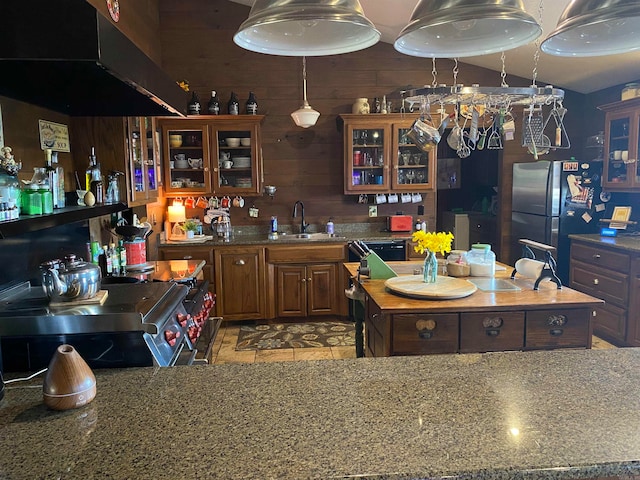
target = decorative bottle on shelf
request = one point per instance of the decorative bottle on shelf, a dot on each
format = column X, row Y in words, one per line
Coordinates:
column 252, row 104
column 52, row 174
column 193, row 107
column 93, row 170
column 233, row 105
column 213, row 107
column 61, row 202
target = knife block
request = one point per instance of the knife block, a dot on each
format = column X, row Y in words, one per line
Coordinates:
column 69, row 382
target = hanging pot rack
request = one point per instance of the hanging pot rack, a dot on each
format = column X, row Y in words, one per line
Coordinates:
column 491, row 97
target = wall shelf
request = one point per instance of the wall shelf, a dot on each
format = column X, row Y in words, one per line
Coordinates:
column 32, row 223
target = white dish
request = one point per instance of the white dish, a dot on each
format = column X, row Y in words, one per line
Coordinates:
column 245, row 142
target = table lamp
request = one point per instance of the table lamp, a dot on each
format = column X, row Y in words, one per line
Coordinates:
column 176, row 215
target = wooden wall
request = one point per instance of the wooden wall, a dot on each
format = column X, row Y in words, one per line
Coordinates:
column 197, row 45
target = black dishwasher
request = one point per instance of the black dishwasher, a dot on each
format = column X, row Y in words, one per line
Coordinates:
column 387, row 250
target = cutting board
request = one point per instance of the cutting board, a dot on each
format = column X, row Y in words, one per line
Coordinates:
column 98, row 299
column 445, row 288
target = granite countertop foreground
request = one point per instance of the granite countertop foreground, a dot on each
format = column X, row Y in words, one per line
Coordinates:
column 562, row 414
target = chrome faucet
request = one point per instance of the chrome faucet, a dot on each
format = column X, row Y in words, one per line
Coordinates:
column 303, row 226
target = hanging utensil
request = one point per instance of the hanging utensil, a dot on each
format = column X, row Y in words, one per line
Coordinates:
column 561, row 138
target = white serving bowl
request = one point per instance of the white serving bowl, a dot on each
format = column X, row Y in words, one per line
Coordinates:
column 245, row 142
column 232, row 141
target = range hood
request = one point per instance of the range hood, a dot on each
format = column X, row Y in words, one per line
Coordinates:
column 66, row 56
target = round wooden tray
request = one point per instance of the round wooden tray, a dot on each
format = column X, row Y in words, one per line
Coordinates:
column 445, row 288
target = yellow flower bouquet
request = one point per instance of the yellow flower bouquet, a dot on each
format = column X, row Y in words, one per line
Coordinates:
column 431, row 242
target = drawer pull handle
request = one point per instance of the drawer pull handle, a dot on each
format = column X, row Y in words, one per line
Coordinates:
column 596, row 256
column 304, row 280
column 239, row 262
column 425, row 328
column 374, row 316
column 425, row 334
column 492, row 322
column 556, row 320
column 596, row 281
column 556, row 332
column 187, row 257
column 492, row 332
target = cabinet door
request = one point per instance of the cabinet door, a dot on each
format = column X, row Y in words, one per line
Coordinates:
column 322, row 282
column 622, row 144
column 240, row 283
column 291, row 291
column 412, row 168
column 186, row 157
column 366, row 146
column 236, row 156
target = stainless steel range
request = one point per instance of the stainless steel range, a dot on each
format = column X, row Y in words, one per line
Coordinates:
column 138, row 325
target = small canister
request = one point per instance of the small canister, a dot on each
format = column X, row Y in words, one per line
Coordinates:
column 457, row 265
column 136, row 251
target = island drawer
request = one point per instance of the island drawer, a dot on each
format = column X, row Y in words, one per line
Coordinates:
column 491, row 331
column 604, row 258
column 608, row 285
column 558, row 328
column 417, row 334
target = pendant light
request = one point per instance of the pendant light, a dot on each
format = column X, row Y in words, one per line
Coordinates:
column 464, row 28
column 589, row 28
column 306, row 28
column 305, row 116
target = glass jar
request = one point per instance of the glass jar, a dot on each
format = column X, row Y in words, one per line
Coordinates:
column 481, row 260
column 9, row 189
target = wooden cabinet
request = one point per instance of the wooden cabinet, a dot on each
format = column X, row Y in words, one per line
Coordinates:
column 621, row 169
column 307, row 280
column 306, row 290
column 491, row 332
column 558, row 328
column 378, row 156
column 128, row 145
column 207, row 154
column 240, row 282
column 611, row 274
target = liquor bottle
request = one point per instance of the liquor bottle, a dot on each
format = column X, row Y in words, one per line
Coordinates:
column 193, row 107
column 93, row 170
column 234, row 105
column 115, row 260
column 213, row 107
column 102, row 260
column 52, row 175
column 123, row 257
column 108, row 260
column 61, row 202
column 252, row 104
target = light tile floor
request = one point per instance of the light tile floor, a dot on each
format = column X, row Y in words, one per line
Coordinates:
column 224, row 350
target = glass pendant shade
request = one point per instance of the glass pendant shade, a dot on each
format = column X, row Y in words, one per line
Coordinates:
column 305, row 116
column 590, row 28
column 465, row 28
column 306, row 28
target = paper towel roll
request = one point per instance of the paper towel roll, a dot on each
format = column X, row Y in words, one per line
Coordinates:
column 529, row 268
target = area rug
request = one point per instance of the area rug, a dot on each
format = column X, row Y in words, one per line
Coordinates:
column 296, row 335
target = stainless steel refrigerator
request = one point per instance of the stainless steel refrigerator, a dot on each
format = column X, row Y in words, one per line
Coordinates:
column 553, row 199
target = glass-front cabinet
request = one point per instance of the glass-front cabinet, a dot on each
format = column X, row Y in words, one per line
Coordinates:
column 144, row 160
column 212, row 155
column 380, row 158
column 622, row 145
column 412, row 168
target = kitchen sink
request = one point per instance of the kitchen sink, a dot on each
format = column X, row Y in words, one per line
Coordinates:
column 314, row 236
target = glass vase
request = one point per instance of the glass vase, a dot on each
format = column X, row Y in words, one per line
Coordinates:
column 430, row 271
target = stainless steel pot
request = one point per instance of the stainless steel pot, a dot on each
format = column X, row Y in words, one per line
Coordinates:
column 71, row 279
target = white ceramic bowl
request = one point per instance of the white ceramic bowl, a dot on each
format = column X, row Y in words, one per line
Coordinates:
column 232, row 141
column 245, row 142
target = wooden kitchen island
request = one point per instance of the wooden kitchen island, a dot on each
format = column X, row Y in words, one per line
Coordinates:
column 489, row 320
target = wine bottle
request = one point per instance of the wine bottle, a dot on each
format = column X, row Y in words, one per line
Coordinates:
column 193, row 107
column 252, row 104
column 214, row 104
column 234, row 105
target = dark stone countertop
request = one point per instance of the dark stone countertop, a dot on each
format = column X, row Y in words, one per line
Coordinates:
column 622, row 242
column 564, row 414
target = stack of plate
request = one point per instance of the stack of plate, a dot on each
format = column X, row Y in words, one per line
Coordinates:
column 241, row 162
column 243, row 182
